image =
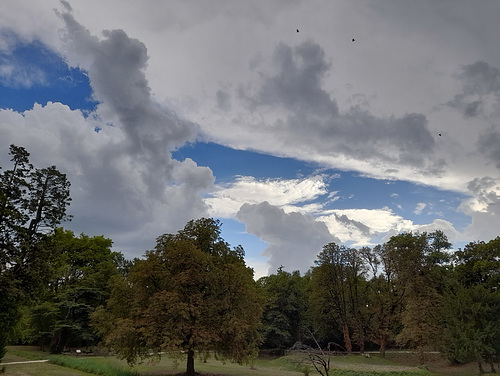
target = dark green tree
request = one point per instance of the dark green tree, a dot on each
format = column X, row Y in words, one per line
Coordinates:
column 385, row 297
column 416, row 262
column 80, row 270
column 472, row 306
column 32, row 202
column 192, row 293
column 284, row 315
column 338, row 293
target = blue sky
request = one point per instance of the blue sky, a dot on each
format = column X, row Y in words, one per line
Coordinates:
column 162, row 113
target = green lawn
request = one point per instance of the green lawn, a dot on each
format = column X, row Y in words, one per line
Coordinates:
column 110, row 366
column 36, row 369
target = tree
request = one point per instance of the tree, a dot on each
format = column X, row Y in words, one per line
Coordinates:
column 472, row 305
column 415, row 261
column 192, row 293
column 284, row 314
column 32, row 202
column 337, row 286
column 80, row 269
column 385, row 297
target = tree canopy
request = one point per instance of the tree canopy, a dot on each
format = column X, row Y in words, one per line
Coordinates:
column 33, row 201
column 192, row 293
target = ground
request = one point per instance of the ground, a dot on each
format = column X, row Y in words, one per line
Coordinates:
column 395, row 361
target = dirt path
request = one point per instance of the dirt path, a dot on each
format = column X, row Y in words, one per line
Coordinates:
column 25, row 362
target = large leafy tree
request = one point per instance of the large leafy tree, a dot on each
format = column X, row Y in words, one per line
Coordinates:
column 338, row 292
column 192, row 293
column 417, row 262
column 472, row 329
column 284, row 314
column 80, row 269
column 32, row 202
column 385, row 297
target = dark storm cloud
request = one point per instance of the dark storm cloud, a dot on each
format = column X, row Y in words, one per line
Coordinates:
column 478, row 80
column 313, row 118
column 294, row 239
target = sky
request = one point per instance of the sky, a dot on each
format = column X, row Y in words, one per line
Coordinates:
column 294, row 123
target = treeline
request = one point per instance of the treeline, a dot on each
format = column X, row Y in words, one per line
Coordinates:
column 193, row 292
column 411, row 292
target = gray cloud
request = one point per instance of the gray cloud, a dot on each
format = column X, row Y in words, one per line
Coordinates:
column 297, row 84
column 294, row 239
column 223, row 100
column 313, row 118
column 484, row 209
column 115, row 67
column 481, row 187
column 479, row 80
column 353, row 224
column 489, row 144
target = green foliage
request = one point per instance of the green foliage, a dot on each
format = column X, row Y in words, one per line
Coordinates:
column 472, row 305
column 416, row 261
column 192, row 293
column 80, row 269
column 338, row 293
column 32, row 202
column 284, row 315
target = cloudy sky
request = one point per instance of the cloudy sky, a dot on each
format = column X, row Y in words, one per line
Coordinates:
column 296, row 123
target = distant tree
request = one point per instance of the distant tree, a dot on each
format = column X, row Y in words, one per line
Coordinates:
column 413, row 259
column 192, row 293
column 284, row 314
column 80, row 270
column 32, row 202
column 385, row 297
column 472, row 306
column 338, row 292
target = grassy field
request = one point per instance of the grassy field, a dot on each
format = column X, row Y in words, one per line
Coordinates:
column 67, row 365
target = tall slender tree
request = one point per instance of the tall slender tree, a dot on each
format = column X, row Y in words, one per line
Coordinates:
column 32, row 201
column 336, row 291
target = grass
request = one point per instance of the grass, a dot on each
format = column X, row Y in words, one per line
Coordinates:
column 91, row 366
column 59, row 364
column 110, row 366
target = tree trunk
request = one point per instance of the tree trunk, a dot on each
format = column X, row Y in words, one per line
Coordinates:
column 421, row 354
column 361, row 340
column 347, row 339
column 383, row 345
column 480, row 365
column 190, row 364
column 492, row 365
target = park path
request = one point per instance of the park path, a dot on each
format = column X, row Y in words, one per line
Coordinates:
column 25, row 362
